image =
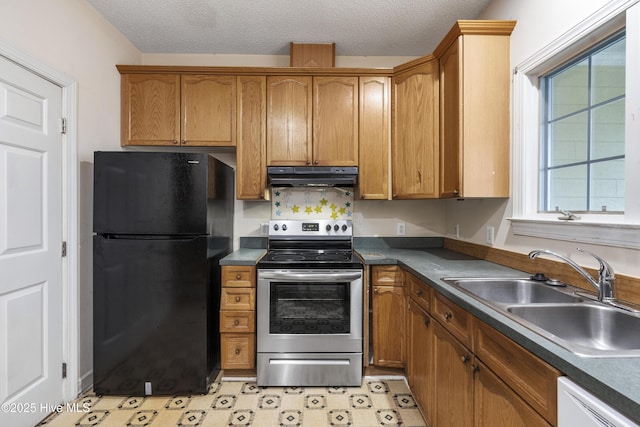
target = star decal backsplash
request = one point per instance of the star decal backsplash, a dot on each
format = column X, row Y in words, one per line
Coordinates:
column 316, row 203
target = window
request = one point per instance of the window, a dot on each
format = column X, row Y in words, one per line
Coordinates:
column 582, row 136
column 578, row 149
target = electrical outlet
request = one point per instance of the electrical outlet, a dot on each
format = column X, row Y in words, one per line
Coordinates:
column 264, row 228
column 490, row 231
column 400, row 229
column 456, row 231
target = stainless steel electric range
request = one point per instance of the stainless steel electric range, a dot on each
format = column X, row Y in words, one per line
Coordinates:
column 309, row 306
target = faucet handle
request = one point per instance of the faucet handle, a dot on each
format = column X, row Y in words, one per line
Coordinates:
column 605, row 269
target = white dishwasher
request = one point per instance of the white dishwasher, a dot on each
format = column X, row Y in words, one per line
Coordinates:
column 579, row 408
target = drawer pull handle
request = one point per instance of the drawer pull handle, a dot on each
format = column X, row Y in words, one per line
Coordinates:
column 236, row 322
column 476, row 368
column 448, row 316
column 465, row 358
column 237, row 299
column 237, row 351
column 238, row 276
column 419, row 292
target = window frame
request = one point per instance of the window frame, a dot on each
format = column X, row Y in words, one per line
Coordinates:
column 619, row 229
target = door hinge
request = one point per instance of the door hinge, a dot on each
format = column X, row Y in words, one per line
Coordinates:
column 63, row 125
column 64, row 370
column 64, row 249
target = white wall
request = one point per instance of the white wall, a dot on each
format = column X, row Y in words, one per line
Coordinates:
column 71, row 37
column 539, row 23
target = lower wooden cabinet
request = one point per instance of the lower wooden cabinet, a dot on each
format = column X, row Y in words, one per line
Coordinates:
column 389, row 317
column 453, row 376
column 464, row 372
column 495, row 404
column 237, row 317
column 420, row 359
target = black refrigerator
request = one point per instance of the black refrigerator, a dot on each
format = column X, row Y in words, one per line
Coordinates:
column 162, row 222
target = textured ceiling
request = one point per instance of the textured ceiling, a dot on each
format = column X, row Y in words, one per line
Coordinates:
column 266, row 27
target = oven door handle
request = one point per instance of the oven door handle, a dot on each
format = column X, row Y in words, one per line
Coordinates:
column 309, row 277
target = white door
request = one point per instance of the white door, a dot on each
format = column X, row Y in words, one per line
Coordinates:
column 30, row 246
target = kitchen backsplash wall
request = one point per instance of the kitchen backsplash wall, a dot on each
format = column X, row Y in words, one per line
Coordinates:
column 311, row 203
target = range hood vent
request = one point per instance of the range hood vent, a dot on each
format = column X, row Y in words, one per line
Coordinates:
column 312, row 176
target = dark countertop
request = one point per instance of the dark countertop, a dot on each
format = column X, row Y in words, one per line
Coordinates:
column 614, row 380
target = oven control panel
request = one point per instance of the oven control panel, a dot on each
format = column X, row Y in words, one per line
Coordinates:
column 310, row 228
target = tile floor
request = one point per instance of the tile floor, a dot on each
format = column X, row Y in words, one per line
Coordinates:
column 378, row 402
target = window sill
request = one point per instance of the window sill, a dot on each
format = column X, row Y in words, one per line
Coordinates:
column 607, row 234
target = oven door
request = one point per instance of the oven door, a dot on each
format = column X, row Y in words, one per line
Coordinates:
column 309, row 311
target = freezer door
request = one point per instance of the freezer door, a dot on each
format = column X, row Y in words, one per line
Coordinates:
column 154, row 317
column 150, row 193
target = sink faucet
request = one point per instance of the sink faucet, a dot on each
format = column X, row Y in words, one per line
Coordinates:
column 606, row 276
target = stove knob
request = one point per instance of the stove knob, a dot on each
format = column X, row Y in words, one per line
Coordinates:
column 284, row 227
column 275, row 227
column 344, row 227
column 336, row 227
column 328, row 227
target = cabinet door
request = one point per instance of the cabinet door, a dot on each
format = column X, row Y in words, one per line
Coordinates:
column 389, row 324
column 208, row 110
column 420, row 359
column 415, row 133
column 450, row 121
column 335, row 121
column 495, row 404
column 251, row 150
column 150, row 109
column 375, row 137
column 453, row 373
column 289, row 107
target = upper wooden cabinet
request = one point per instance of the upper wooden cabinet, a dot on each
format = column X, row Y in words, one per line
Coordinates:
column 312, row 121
column 251, row 151
column 474, row 109
column 170, row 109
column 415, row 135
column 375, row 137
column 150, row 109
column 289, row 107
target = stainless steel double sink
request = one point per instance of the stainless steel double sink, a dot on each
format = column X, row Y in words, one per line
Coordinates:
column 583, row 326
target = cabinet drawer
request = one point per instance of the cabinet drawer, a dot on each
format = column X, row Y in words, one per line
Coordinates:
column 239, row 276
column 238, row 351
column 528, row 375
column 386, row 275
column 237, row 321
column 239, row 299
column 453, row 317
column 418, row 290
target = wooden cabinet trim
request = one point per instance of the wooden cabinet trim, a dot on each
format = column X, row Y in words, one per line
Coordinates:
column 253, row 71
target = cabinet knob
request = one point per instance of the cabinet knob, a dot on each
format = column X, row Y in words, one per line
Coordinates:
column 315, row 162
column 427, row 321
column 464, row 358
column 456, row 192
column 448, row 316
column 236, row 322
column 175, row 141
column 237, row 299
column 375, row 290
column 238, row 276
column 183, row 142
column 476, row 368
column 419, row 292
column 237, row 351
column 308, row 162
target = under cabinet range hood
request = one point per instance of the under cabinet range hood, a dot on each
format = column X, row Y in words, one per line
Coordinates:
column 312, row 176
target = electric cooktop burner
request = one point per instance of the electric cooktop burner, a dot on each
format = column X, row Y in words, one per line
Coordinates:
column 310, row 244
